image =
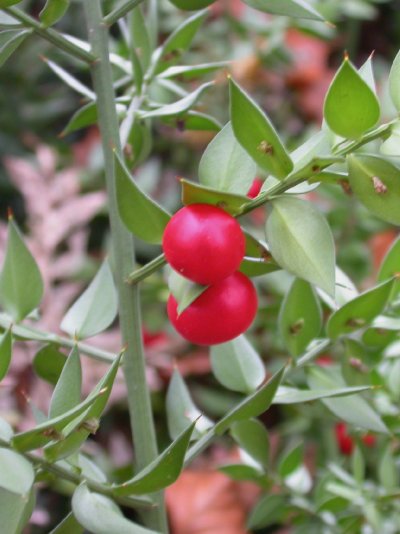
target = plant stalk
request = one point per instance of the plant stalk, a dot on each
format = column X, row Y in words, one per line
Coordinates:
column 143, row 431
column 121, row 11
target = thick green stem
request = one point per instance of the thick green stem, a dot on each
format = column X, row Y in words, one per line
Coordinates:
column 50, row 35
column 139, row 404
column 121, row 11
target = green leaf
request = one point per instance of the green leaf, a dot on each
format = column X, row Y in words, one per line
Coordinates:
column 184, row 291
column 95, row 309
column 86, row 116
column 390, row 147
column 140, row 214
column 257, row 258
column 298, row 9
column 350, row 107
column 358, row 465
column 53, row 11
column 16, row 496
column 191, row 5
column 189, row 72
column 225, row 165
column 140, row 37
column 387, row 471
column 243, row 472
column 390, row 267
column 179, row 107
column 291, row 460
column 76, row 431
column 162, row 472
column 67, row 393
column 48, row 363
column 193, row 193
column 269, row 510
column 51, row 429
column 300, row 317
column 69, row 525
column 376, row 183
column 253, row 405
column 70, row 80
column 353, row 410
column 181, row 409
column 288, row 395
column 252, row 436
column 10, row 40
column 193, row 120
column 6, row 341
column 394, row 82
column 366, row 72
column 179, row 41
column 6, row 431
column 301, row 241
column 8, row 3
column 21, row 284
column 360, row 311
column 100, row 515
column 237, row 366
column 257, row 135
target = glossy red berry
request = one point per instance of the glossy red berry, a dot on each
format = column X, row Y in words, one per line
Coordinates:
column 222, row 312
column 255, row 188
column 203, row 243
column 344, row 440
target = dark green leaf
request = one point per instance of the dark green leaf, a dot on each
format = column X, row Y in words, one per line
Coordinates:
column 291, row 460
column 376, row 183
column 253, row 405
column 140, row 214
column 252, row 436
column 301, row 241
column 191, row 5
column 360, row 311
column 162, row 472
column 225, row 165
column 257, row 135
column 298, row 9
column 394, row 82
column 288, row 395
column 53, row 11
column 10, row 41
column 21, row 284
column 69, row 525
column 48, row 363
column 86, row 116
column 194, row 193
column 237, row 366
column 7, row 3
column 181, row 409
column 140, row 37
column 353, row 410
column 5, row 353
column 300, row 317
column 95, row 309
column 100, row 515
column 269, row 510
column 67, row 393
column 243, row 472
column 350, row 107
column 184, row 291
column 193, row 120
column 257, row 259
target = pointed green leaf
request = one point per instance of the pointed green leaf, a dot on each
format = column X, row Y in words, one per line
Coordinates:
column 193, row 193
column 8, row 3
column 288, row 395
column 253, row 405
column 191, row 5
column 252, row 436
column 269, row 510
column 225, row 165
column 86, row 116
column 179, row 107
column 140, row 214
column 5, row 352
column 360, row 311
column 193, row 120
column 140, row 37
column 353, row 410
column 301, row 241
column 67, row 393
column 162, row 472
column 257, row 135
column 257, row 258
column 394, row 82
column 53, row 11
column 376, row 183
column 6, row 431
column 184, row 291
column 95, row 309
column 48, row 363
column 388, row 472
column 300, row 317
column 390, row 267
column 10, row 41
column 21, row 284
column 366, row 72
column 100, row 515
column 181, row 409
column 391, row 145
column 350, row 107
column 298, row 9
column 243, row 472
column 69, row 525
column 358, row 465
column 189, row 72
column 237, row 366
column 291, row 460
column 70, row 80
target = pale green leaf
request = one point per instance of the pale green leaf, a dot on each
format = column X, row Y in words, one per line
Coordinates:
column 67, row 393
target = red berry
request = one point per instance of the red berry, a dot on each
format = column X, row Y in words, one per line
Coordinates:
column 345, row 441
column 369, row 440
column 222, row 312
column 255, row 187
column 203, row 243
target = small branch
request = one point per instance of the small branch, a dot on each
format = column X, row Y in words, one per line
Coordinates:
column 145, row 271
column 50, row 35
column 22, row 331
column 120, row 12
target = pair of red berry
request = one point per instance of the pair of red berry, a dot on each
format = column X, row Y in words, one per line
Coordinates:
column 206, row 245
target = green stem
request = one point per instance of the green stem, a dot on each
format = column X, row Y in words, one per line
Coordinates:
column 120, row 11
column 146, row 270
column 23, row 331
column 50, row 35
column 143, row 431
